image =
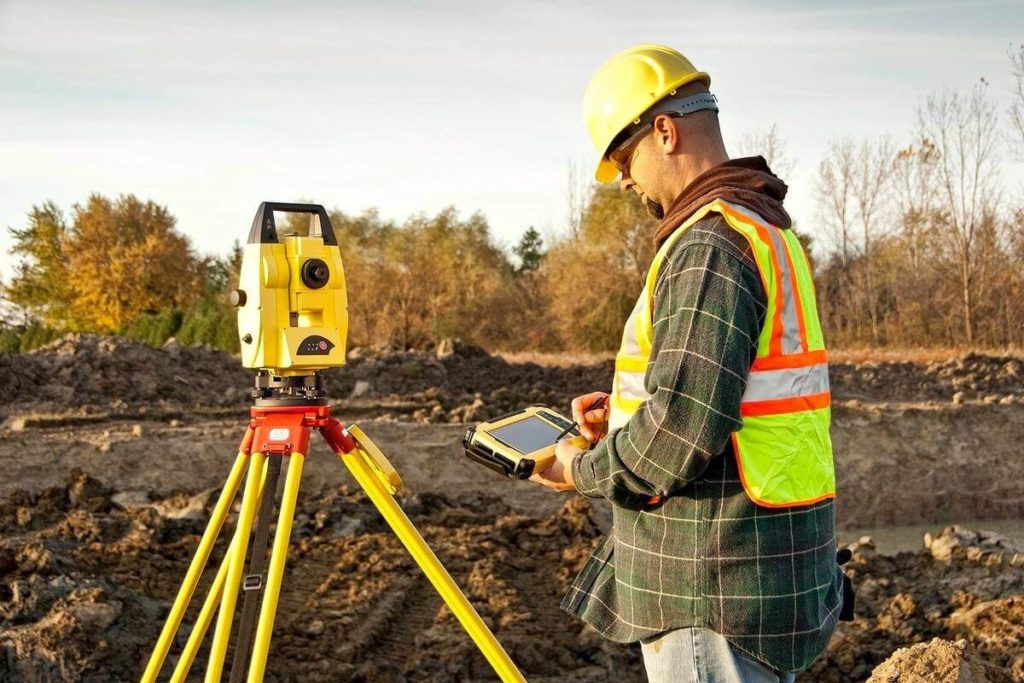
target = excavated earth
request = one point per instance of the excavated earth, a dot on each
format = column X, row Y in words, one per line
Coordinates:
column 113, row 453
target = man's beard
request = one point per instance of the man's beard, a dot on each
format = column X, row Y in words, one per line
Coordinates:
column 653, row 208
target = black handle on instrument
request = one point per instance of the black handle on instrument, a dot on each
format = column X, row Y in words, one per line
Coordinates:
column 264, row 229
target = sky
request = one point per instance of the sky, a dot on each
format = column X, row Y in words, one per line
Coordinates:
column 210, row 108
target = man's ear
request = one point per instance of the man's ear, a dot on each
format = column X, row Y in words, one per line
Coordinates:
column 666, row 135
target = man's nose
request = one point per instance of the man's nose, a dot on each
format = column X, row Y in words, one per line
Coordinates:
column 626, row 184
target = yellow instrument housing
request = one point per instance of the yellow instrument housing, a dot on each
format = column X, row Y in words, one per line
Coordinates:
column 288, row 324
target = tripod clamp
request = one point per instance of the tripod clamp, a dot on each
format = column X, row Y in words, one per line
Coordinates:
column 283, row 430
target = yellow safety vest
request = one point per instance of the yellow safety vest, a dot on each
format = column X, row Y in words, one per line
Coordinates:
column 783, row 449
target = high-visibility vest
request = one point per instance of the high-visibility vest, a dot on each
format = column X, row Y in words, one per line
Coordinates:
column 783, row 449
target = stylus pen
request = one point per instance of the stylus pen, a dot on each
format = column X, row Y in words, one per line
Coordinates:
column 596, row 404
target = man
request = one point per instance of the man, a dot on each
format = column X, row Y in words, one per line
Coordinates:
column 714, row 447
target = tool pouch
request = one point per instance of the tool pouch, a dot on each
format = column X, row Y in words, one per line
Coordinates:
column 849, row 595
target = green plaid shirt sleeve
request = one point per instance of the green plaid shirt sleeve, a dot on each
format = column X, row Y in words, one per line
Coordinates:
column 706, row 322
column 765, row 578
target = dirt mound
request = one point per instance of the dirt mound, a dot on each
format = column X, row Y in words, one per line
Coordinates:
column 445, row 384
column 86, row 576
column 452, row 382
column 458, row 382
column 85, row 582
column 937, row 661
column 965, row 585
column 85, row 370
column 972, row 376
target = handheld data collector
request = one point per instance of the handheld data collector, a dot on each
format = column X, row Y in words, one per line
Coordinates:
column 521, row 443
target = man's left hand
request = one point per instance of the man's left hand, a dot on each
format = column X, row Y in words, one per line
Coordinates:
column 559, row 475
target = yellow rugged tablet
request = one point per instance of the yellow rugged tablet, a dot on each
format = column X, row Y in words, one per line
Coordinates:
column 521, row 443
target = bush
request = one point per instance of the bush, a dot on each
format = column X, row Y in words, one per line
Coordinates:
column 22, row 338
column 154, row 328
column 210, row 322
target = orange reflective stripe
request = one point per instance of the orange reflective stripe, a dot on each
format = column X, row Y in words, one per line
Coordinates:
column 785, row 405
column 775, row 345
column 784, row 332
column 793, row 360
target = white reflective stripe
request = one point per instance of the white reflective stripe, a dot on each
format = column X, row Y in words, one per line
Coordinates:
column 630, row 344
column 790, row 326
column 630, row 385
column 769, row 385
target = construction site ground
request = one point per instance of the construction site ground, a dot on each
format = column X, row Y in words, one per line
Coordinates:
column 112, row 454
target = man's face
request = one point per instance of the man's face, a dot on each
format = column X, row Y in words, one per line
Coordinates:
column 637, row 161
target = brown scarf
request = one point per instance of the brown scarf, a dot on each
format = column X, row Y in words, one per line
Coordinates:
column 747, row 182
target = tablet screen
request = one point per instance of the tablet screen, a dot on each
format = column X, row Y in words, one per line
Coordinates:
column 527, row 435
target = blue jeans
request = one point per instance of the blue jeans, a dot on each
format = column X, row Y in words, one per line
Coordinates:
column 699, row 655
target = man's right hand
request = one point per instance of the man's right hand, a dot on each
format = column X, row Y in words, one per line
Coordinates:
column 594, row 423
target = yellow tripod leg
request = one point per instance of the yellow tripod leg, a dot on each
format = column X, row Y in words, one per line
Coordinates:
column 236, row 562
column 188, row 653
column 374, row 487
column 275, row 571
column 195, row 569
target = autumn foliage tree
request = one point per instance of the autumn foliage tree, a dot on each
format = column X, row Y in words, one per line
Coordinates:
column 113, row 261
column 591, row 279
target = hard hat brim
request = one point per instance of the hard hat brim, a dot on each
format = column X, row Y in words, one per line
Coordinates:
column 606, row 171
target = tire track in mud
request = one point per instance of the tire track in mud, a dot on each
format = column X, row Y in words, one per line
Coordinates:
column 411, row 613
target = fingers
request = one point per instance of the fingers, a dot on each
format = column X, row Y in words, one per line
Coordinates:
column 548, row 483
column 577, row 409
column 593, row 422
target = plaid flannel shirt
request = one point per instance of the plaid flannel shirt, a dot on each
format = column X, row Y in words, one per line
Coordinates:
column 765, row 578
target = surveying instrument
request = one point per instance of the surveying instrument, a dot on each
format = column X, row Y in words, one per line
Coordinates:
column 292, row 324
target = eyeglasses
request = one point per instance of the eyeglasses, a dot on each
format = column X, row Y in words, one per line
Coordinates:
column 622, row 156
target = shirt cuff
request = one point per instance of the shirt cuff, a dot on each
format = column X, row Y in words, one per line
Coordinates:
column 584, row 476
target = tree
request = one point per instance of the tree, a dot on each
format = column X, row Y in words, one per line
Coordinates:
column 768, row 142
column 591, row 279
column 578, row 190
column 870, row 193
column 40, row 281
column 1017, row 101
column 530, row 250
column 963, row 130
column 834, row 192
column 126, row 257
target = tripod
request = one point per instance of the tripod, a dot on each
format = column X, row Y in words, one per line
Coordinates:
column 280, row 425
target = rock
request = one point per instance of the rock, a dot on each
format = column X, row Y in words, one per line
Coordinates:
column 15, row 424
column 315, row 627
column 137, row 430
column 85, row 492
column 362, row 388
column 131, row 500
column 956, row 541
column 958, row 398
column 937, row 661
column 192, row 507
column 445, row 349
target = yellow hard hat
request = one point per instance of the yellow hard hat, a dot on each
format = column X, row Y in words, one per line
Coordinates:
column 625, row 87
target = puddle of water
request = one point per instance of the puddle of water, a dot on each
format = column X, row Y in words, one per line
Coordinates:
column 893, row 539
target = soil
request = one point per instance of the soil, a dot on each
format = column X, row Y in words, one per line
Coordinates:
column 113, row 452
